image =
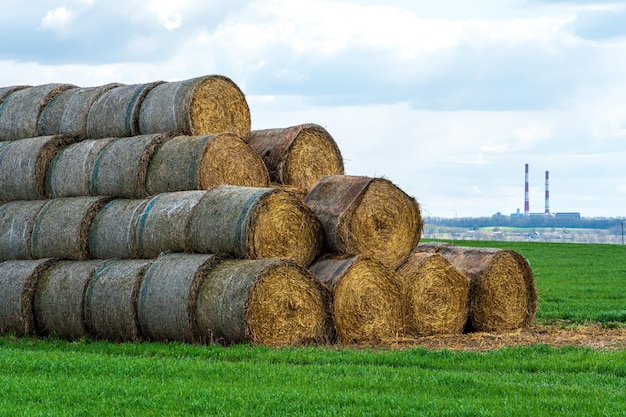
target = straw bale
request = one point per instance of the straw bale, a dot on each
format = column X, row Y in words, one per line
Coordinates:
column 59, row 298
column 111, row 300
column 168, row 294
column 115, row 113
column 24, row 164
column 198, row 106
column 436, row 295
column 5, row 92
column 49, row 121
column 271, row 302
column 62, row 227
column 503, row 295
column 17, row 219
column 113, row 231
column 366, row 299
column 18, row 281
column 298, row 156
column 74, row 118
column 20, row 111
column 368, row 216
column 251, row 222
column 199, row 162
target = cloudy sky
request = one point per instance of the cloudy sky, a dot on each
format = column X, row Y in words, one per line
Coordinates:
column 447, row 99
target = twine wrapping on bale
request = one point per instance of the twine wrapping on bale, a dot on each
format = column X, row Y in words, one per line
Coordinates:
column 116, row 111
column 49, row 122
column 366, row 300
column 113, row 231
column 5, row 92
column 74, row 118
column 111, row 300
column 19, row 113
column 24, row 164
column 250, row 222
column 167, row 296
column 17, row 219
column 298, row 156
column 60, row 296
column 436, row 295
column 199, row 162
column 272, row 302
column 18, row 281
column 503, row 295
column 368, row 216
column 197, row 106
column 62, row 227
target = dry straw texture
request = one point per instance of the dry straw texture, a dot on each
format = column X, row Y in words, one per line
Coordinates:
column 18, row 281
column 250, row 222
column 368, row 216
column 271, row 302
column 73, row 121
column 366, row 299
column 197, row 106
column 49, row 122
column 7, row 91
column 17, row 219
column 113, row 232
column 298, row 156
column 436, row 295
column 200, row 162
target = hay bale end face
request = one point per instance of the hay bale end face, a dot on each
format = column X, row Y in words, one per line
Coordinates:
column 76, row 109
column 17, row 219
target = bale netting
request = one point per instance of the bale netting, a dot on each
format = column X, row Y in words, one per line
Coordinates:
column 367, row 305
column 76, row 109
column 198, row 106
column 62, row 227
column 436, row 295
column 20, row 111
column 298, row 156
column 116, row 111
column 17, row 219
column 49, row 122
column 59, row 298
column 24, row 164
column 503, row 295
column 273, row 302
column 199, row 162
column 166, row 307
column 111, row 300
column 7, row 91
column 368, row 216
column 18, row 281
column 251, row 222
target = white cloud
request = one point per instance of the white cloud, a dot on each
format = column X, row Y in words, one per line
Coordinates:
column 58, row 19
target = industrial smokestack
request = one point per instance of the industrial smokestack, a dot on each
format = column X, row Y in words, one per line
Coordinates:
column 526, row 201
column 547, row 193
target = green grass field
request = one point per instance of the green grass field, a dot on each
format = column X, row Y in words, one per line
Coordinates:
column 577, row 283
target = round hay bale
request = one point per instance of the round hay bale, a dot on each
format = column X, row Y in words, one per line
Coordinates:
column 436, row 295
column 60, row 296
column 298, row 156
column 367, row 216
column 24, row 164
column 74, row 118
column 503, row 295
column 70, row 171
column 7, row 91
column 272, row 302
column 251, row 222
column 167, row 296
column 49, row 122
column 61, row 229
column 17, row 219
column 121, row 167
column 198, row 106
column 111, row 300
column 366, row 300
column 113, row 231
column 199, row 162
column 18, row 281
column 20, row 111
column 115, row 113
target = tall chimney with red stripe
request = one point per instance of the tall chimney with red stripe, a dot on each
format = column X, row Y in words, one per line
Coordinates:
column 547, row 194
column 526, row 202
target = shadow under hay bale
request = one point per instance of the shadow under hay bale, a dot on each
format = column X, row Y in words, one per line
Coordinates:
column 436, row 295
column 5, row 92
column 298, row 156
column 59, row 298
column 250, row 222
column 17, row 219
column 272, row 302
column 19, row 113
column 198, row 106
column 366, row 300
column 368, row 216
column 166, row 306
column 18, row 281
column 111, row 300
column 199, row 162
column 503, row 295
column 73, row 120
